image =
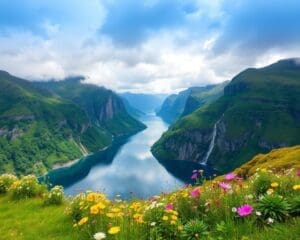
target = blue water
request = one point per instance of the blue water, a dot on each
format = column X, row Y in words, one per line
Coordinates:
column 127, row 168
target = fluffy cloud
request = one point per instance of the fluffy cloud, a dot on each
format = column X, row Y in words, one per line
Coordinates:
column 148, row 46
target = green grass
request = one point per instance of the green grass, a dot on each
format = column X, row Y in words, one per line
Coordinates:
column 28, row 219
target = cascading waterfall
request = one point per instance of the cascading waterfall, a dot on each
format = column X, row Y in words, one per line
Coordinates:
column 211, row 144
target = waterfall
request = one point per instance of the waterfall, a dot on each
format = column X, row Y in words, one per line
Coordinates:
column 211, row 144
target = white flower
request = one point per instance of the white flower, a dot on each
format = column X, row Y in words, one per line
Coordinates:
column 258, row 213
column 270, row 220
column 234, row 209
column 99, row 235
column 250, row 196
column 152, row 224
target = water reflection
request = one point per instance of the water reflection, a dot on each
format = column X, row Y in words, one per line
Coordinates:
column 126, row 168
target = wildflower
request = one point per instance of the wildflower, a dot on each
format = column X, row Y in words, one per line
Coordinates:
column 270, row 220
column 201, row 171
column 165, row 218
column 274, row 184
column 152, row 224
column 234, row 209
column 99, row 235
column 244, row 210
column 270, row 191
column 249, row 196
column 195, row 192
column 114, row 230
column 83, row 221
column 296, row 187
column 194, row 176
column 298, row 172
column 224, row 185
column 230, row 176
column 169, row 206
column 94, row 209
column 180, row 228
column 258, row 213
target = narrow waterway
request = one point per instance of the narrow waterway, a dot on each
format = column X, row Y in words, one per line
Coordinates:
column 127, row 168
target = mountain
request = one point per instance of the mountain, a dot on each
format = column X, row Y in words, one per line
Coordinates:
column 104, row 108
column 187, row 101
column 39, row 128
column 145, row 103
column 260, row 110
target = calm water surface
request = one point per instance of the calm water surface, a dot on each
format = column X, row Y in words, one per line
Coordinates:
column 126, row 168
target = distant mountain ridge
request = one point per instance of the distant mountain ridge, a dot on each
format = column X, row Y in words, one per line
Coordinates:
column 145, row 103
column 187, row 101
column 40, row 127
column 260, row 110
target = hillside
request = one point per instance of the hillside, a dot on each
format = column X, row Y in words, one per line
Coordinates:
column 187, row 101
column 103, row 107
column 227, row 207
column 39, row 129
column 259, row 111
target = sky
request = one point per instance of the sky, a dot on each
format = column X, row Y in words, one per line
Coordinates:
column 150, row 46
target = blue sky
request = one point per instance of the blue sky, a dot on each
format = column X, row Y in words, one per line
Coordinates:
column 145, row 46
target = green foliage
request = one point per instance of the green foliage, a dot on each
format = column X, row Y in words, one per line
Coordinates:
column 55, row 196
column 273, row 206
column 6, row 180
column 26, row 187
column 261, row 183
column 295, row 205
column 194, row 229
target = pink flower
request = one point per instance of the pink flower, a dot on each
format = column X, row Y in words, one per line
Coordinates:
column 244, row 210
column 224, row 185
column 230, row 176
column 194, row 176
column 169, row 207
column 298, row 172
column 195, row 192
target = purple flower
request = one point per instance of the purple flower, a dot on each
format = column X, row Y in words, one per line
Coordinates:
column 230, row 176
column 244, row 210
column 298, row 172
column 224, row 185
column 194, row 176
column 169, row 207
column 195, row 192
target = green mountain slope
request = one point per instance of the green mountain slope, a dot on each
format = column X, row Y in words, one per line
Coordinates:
column 260, row 110
column 187, row 101
column 102, row 106
column 39, row 129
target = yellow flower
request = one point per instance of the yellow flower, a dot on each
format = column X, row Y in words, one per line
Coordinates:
column 270, row 191
column 114, row 230
column 115, row 210
column 180, row 228
column 296, row 187
column 110, row 215
column 83, row 221
column 173, row 222
column 174, row 217
column 274, row 184
column 94, row 209
column 165, row 218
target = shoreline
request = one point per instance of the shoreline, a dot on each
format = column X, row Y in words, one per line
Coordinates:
column 74, row 161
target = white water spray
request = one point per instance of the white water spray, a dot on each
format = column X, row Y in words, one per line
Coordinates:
column 211, row 144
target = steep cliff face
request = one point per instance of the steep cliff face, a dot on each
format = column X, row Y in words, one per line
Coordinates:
column 256, row 114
